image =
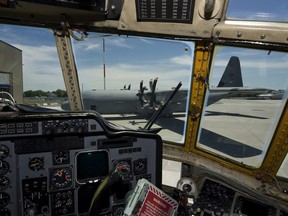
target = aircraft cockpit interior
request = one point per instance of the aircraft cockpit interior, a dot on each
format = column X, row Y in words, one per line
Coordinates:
column 143, row 107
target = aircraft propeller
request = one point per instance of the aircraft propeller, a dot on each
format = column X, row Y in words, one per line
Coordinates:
column 152, row 100
column 141, row 93
column 153, row 84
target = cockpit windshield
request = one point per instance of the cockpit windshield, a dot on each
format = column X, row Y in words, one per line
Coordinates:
column 128, row 79
column 257, row 10
column 240, row 119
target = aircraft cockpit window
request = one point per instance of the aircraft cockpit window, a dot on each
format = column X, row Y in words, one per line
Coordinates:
column 283, row 171
column 29, row 67
column 127, row 79
column 248, row 91
column 257, row 10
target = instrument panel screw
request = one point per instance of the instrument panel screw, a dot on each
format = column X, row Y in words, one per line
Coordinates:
column 123, row 26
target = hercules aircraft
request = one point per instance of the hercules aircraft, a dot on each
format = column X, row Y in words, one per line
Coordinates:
column 126, row 101
column 227, row 158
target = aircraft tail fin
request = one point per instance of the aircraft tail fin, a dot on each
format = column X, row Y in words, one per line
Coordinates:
column 232, row 76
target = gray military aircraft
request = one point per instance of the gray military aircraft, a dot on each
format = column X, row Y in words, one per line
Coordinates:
column 126, row 101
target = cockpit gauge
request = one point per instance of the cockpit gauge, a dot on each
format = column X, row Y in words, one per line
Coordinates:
column 4, row 167
column 4, row 151
column 61, row 177
column 36, row 163
column 61, row 157
column 4, row 183
column 4, row 200
column 140, row 166
column 123, row 167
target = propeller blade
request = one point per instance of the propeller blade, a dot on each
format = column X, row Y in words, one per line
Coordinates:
column 154, row 84
column 141, row 93
column 141, row 86
column 153, row 95
column 151, row 84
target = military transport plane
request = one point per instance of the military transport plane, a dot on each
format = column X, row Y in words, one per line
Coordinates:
column 126, row 101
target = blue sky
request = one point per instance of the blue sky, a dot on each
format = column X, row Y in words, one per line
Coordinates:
column 273, row 10
column 128, row 60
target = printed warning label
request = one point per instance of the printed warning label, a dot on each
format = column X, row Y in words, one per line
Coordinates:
column 157, row 203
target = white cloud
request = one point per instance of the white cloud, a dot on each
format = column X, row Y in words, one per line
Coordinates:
column 41, row 68
column 182, row 60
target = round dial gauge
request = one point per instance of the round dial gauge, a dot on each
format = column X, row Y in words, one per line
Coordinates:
column 140, row 166
column 61, row 157
column 36, row 163
column 4, row 183
column 4, row 151
column 123, row 168
column 4, row 167
column 61, row 177
column 4, row 199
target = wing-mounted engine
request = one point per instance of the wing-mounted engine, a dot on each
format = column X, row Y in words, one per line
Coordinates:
column 148, row 100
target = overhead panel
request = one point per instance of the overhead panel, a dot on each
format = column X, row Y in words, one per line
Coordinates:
column 182, row 18
column 165, row 10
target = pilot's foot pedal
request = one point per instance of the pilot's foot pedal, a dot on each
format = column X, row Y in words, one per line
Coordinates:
column 148, row 200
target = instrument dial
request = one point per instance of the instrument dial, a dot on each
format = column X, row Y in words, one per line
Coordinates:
column 4, row 151
column 123, row 167
column 36, row 163
column 61, row 157
column 140, row 166
column 4, row 183
column 4, row 199
column 4, row 167
column 61, row 177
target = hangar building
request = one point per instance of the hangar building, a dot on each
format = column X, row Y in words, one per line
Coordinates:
column 11, row 77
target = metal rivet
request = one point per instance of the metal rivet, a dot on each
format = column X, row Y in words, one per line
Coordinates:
column 262, row 36
column 123, row 26
column 239, row 34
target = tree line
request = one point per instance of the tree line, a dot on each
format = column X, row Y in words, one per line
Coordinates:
column 40, row 93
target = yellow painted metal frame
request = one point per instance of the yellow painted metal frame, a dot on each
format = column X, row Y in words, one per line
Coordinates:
column 202, row 57
column 279, row 147
column 202, row 62
column 279, row 144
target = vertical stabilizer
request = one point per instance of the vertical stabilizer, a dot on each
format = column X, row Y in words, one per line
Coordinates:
column 232, row 76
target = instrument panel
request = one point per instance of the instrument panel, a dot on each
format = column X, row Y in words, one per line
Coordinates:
column 212, row 196
column 53, row 164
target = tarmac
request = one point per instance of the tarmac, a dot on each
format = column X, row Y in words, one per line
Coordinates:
column 236, row 129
